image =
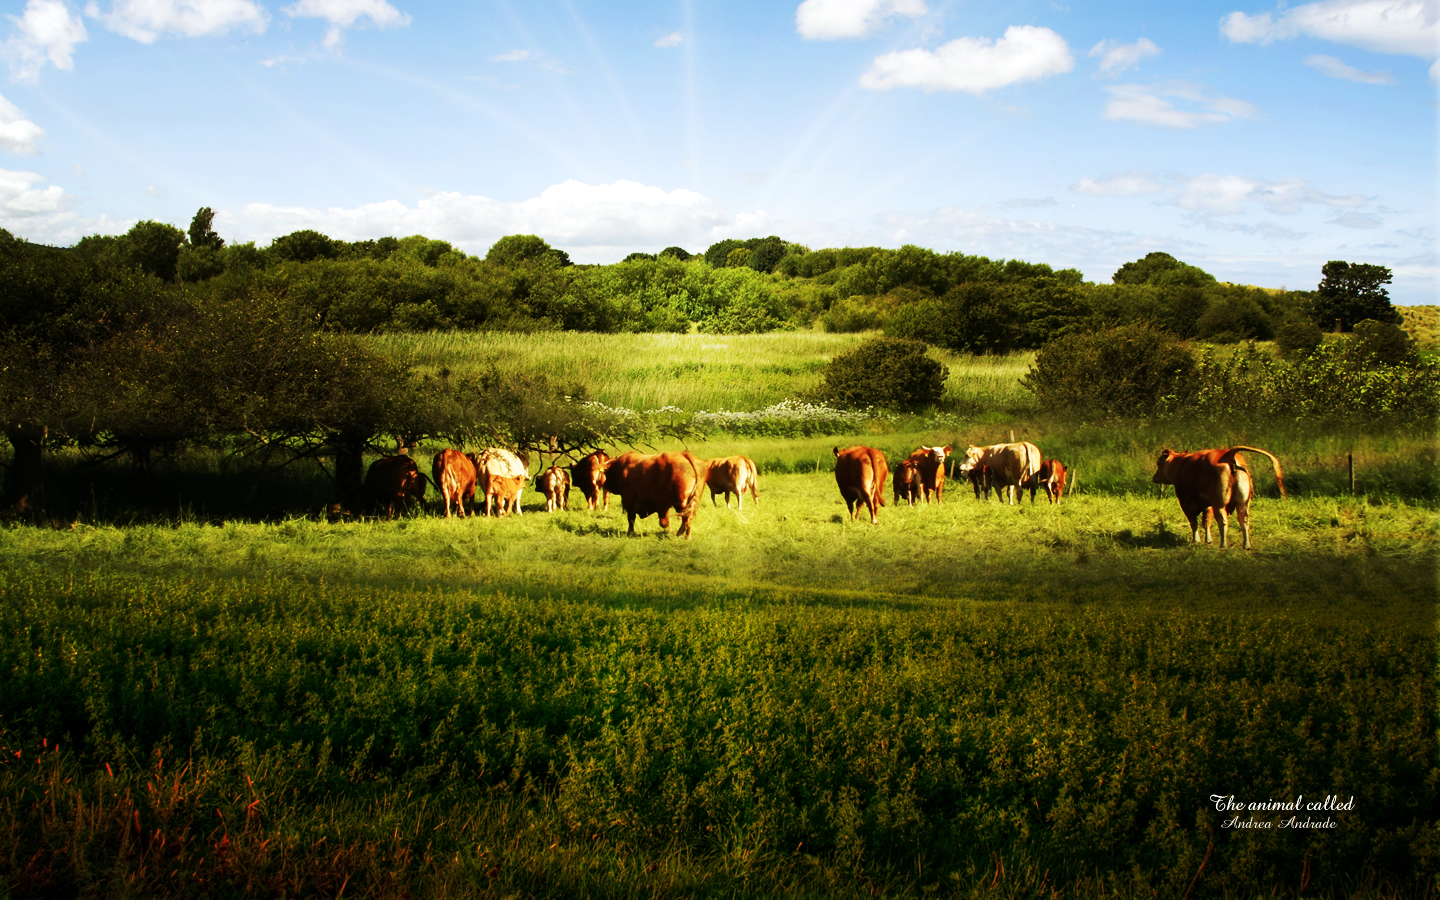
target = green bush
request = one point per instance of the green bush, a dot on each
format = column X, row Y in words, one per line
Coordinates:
column 1134, row 370
column 1298, row 338
column 884, row 372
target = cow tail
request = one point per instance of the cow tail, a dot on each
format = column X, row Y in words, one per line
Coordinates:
column 698, row 491
column 1229, row 460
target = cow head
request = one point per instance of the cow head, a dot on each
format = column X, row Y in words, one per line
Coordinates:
column 1162, row 468
column 973, row 456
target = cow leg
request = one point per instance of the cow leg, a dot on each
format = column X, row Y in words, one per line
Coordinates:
column 665, row 520
column 632, row 523
column 1224, row 527
column 1242, row 515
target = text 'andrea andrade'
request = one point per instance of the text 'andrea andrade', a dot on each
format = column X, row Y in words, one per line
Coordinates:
column 1331, row 803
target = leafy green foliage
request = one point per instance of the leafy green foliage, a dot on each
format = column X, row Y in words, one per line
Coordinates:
column 1129, row 371
column 521, row 249
column 1298, row 338
column 885, row 372
column 200, row 232
column 1350, row 293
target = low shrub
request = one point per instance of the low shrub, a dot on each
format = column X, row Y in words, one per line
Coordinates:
column 1133, row 370
column 885, row 372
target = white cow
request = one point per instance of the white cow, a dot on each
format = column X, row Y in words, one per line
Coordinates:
column 1009, row 465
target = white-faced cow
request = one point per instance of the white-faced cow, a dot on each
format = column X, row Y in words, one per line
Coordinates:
column 589, row 476
column 930, row 465
column 860, row 473
column 554, row 483
column 733, row 475
column 1010, row 465
column 1213, row 482
column 501, row 476
column 454, row 476
column 651, row 484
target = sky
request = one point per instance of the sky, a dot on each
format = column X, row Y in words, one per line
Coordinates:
column 1256, row 141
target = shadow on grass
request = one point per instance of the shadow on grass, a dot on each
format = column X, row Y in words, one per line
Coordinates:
column 1158, row 538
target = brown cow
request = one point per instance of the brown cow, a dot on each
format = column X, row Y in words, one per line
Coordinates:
column 589, row 476
column 1011, row 465
column 500, row 475
column 554, row 483
column 930, row 463
column 394, row 481
column 732, row 475
column 1213, row 482
column 1051, row 476
column 657, row 484
column 979, row 477
column 907, row 482
column 454, row 477
column 860, row 472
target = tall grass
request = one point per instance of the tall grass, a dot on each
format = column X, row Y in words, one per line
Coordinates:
column 695, row 372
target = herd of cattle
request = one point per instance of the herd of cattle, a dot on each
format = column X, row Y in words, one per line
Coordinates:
column 1209, row 484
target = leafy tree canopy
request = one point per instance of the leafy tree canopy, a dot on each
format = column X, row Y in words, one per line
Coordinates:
column 1350, row 293
column 1164, row 270
column 304, row 246
column 520, row 249
column 201, row 234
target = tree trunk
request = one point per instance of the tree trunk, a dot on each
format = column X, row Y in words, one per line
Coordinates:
column 349, row 471
column 24, row 489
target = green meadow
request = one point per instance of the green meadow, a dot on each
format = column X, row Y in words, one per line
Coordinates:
column 969, row 699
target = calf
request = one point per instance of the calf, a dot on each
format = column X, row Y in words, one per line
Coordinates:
column 979, row 478
column 589, row 476
column 907, row 482
column 930, row 465
column 732, row 475
column 1213, row 482
column 554, row 483
column 1051, row 476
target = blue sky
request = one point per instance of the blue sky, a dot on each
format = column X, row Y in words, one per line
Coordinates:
column 1253, row 140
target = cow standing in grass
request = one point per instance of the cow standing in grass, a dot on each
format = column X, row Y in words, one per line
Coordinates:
column 860, row 473
column 907, row 482
column 655, row 484
column 733, row 475
column 1051, row 476
column 454, row 476
column 1010, row 465
column 501, row 476
column 930, row 466
column 393, row 481
column 1213, row 482
column 589, row 476
column 554, row 483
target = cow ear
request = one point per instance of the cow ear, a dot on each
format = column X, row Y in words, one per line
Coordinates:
column 947, row 450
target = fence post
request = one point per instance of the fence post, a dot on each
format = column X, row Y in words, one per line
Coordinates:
column 1350, row 467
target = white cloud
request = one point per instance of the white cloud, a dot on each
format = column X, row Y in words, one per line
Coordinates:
column 47, row 32
column 146, row 20
column 1219, row 195
column 345, row 13
column 1387, row 26
column 543, row 60
column 1116, row 58
column 1156, row 105
column 827, row 20
column 17, row 133
column 1123, row 184
column 673, row 39
column 21, row 198
column 976, row 65
column 592, row 222
column 1336, row 68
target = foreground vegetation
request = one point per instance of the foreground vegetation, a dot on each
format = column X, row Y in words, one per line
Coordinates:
column 968, row 699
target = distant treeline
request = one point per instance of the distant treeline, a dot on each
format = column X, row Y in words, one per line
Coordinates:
column 954, row 300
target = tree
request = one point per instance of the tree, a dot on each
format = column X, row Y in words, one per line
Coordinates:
column 766, row 253
column 1350, row 293
column 739, row 258
column 201, row 234
column 518, row 249
column 154, row 248
column 679, row 253
column 1133, row 370
column 1163, row 270
column 885, row 372
column 303, row 246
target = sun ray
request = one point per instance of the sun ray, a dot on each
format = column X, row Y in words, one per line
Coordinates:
column 637, row 134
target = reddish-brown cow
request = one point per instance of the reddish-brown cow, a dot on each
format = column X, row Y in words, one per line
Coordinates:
column 554, row 483
column 394, row 481
column 454, row 477
column 1051, row 476
column 860, row 472
column 651, row 484
column 930, row 464
column 733, row 475
column 1213, row 482
column 589, row 476
column 907, row 482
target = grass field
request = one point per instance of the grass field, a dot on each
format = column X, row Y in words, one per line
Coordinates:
column 695, row 372
column 966, row 700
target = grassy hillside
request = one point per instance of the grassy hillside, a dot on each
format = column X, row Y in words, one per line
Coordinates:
column 1422, row 323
